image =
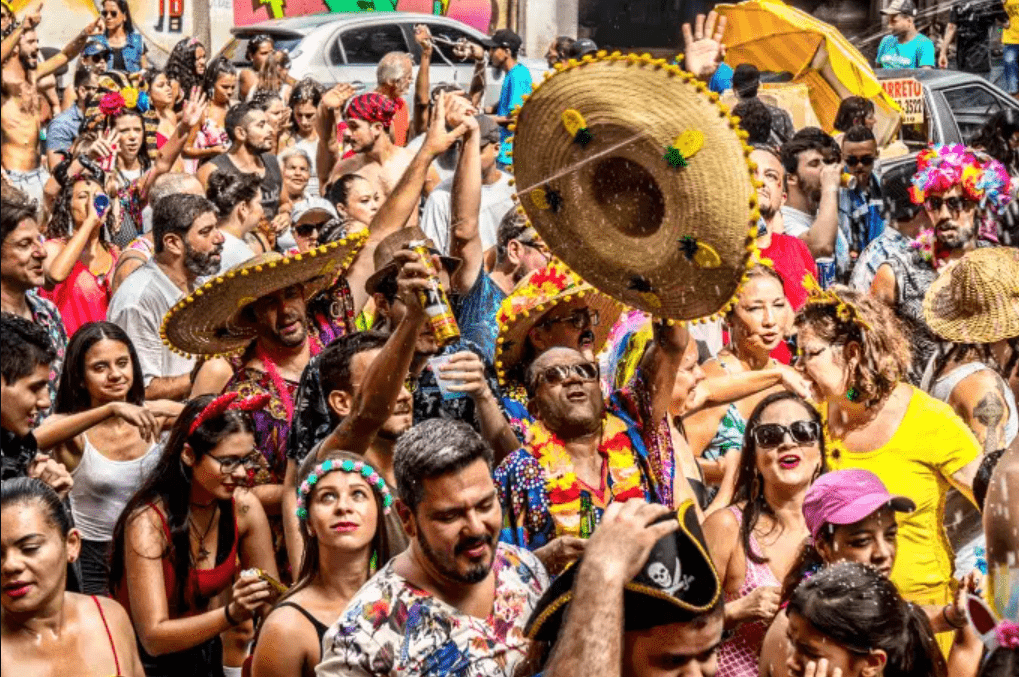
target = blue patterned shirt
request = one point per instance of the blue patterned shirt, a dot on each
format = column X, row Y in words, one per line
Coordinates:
column 860, row 223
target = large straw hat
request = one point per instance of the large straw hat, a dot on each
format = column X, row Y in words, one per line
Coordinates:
column 976, row 299
column 638, row 179
column 210, row 321
column 534, row 296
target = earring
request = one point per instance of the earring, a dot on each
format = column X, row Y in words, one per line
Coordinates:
column 373, row 563
column 853, row 395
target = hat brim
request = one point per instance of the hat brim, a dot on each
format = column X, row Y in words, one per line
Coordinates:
column 512, row 340
column 313, row 212
column 657, row 237
column 957, row 317
column 646, row 603
column 865, row 506
column 450, row 263
column 209, row 322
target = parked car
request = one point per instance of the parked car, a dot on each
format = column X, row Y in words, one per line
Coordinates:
column 346, row 47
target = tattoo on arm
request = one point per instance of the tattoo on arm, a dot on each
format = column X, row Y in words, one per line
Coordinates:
column 989, row 412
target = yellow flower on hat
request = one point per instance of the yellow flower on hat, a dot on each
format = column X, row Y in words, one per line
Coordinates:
column 130, row 95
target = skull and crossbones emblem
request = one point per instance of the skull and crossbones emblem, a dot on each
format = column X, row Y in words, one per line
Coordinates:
column 670, row 583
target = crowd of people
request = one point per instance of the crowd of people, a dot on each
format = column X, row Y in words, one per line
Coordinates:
column 293, row 385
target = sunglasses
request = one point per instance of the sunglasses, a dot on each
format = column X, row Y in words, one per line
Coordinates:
column 537, row 245
column 228, row 464
column 585, row 371
column 579, row 319
column 306, row 229
column 954, row 204
column 110, row 13
column 771, row 435
column 866, row 160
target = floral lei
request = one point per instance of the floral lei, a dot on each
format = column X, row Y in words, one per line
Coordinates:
column 564, row 487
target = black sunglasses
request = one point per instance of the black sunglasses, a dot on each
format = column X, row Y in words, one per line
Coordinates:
column 579, row 318
column 771, row 435
column 306, row 229
column 866, row 160
column 110, row 13
column 954, row 204
column 586, row 371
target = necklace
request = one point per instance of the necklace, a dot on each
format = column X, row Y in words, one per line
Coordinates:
column 203, row 552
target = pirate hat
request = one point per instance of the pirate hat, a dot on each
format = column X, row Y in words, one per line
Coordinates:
column 677, row 584
column 639, row 179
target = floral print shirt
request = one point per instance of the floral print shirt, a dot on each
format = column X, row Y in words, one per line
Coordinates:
column 46, row 315
column 395, row 629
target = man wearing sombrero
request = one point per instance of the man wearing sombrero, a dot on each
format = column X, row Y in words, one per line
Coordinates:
column 645, row 600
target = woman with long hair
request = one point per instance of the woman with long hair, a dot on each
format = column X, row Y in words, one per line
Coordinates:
column 79, row 256
column 210, row 138
column 853, row 111
column 743, row 373
column 854, row 354
column 185, row 67
column 111, row 459
column 127, row 48
column 303, row 133
column 357, row 201
column 186, row 534
column 849, row 620
column 258, row 51
column 45, row 629
column 755, row 542
column 162, row 99
column 342, row 518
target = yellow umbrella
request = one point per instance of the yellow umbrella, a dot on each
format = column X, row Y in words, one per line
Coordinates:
column 776, row 37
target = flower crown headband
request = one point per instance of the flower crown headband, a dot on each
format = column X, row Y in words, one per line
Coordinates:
column 982, row 178
column 361, row 468
column 844, row 310
column 225, row 403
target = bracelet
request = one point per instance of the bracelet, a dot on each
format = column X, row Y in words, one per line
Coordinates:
column 233, row 622
column 944, row 614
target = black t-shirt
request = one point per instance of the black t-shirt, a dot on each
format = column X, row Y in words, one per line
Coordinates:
column 974, row 20
column 272, row 180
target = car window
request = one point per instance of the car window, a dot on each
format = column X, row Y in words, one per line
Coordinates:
column 443, row 38
column 236, row 49
column 971, row 105
column 368, row 44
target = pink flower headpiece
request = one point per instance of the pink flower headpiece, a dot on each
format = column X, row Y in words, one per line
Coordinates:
column 941, row 167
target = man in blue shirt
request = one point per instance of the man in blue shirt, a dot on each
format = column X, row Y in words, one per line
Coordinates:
column 64, row 128
column 503, row 48
column 905, row 47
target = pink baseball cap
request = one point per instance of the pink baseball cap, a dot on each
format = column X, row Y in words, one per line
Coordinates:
column 846, row 497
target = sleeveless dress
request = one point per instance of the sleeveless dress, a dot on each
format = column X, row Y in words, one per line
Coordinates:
column 738, row 655
column 109, row 635
column 731, row 429
column 84, row 296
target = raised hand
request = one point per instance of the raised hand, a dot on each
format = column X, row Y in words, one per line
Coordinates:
column 339, row 95
column 560, row 552
column 469, row 370
column 194, row 108
column 33, row 15
column 460, row 111
column 423, row 37
column 702, row 46
column 438, row 139
column 623, row 540
column 104, row 146
column 411, row 279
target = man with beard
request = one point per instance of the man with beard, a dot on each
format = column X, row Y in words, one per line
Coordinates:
column 811, row 212
column 582, row 454
column 187, row 248
column 456, row 601
column 251, row 139
column 22, row 274
column 906, row 47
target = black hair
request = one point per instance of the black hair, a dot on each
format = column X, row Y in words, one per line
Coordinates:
column 335, row 361
column 61, row 223
column 262, row 99
column 310, row 564
column 237, row 116
column 339, row 190
column 563, row 44
column 982, row 480
column 959, row 353
column 81, row 76
column 126, row 11
column 217, row 68
column 72, row 395
column 434, row 448
column 853, row 111
column 512, row 226
column 16, row 207
column 255, row 43
column 749, row 483
column 808, row 138
column 994, row 137
column 21, row 490
column 180, row 66
column 175, row 215
column 859, row 134
column 1002, row 662
column 857, row 608
column 305, row 91
column 24, row 345
column 746, row 80
column 895, row 184
column 226, row 190
column 170, row 483
column 755, row 119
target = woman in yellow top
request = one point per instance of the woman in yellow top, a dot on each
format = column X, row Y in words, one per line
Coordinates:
column 854, row 354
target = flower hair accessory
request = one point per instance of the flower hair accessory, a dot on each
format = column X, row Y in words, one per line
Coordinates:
column 941, row 167
column 1007, row 633
column 227, row 402
column 111, row 104
column 844, row 310
column 334, row 465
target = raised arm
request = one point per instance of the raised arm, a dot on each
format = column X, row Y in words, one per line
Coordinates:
column 464, row 235
column 660, row 364
column 423, row 84
column 70, row 50
column 61, row 256
column 190, row 119
column 703, row 49
column 820, row 238
column 32, row 18
column 326, row 156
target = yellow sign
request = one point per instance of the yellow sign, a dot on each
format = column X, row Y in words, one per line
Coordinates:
column 908, row 93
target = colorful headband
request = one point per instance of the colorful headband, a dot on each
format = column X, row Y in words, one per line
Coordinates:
column 941, row 167
column 375, row 481
column 373, row 107
column 844, row 310
column 227, row 402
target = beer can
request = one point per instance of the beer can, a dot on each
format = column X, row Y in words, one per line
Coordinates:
column 826, row 272
column 434, row 299
column 848, row 181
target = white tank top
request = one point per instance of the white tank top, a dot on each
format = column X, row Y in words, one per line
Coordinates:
column 103, row 487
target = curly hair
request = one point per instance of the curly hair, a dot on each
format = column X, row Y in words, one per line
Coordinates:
column 61, row 224
column 885, row 353
column 219, row 67
column 180, row 66
column 305, row 91
column 853, row 111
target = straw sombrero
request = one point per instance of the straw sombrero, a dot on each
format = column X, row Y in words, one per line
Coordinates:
column 976, row 299
column 637, row 177
column 210, row 321
column 539, row 292
column 677, row 584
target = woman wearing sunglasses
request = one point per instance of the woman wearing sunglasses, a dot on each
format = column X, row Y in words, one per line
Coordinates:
column 185, row 536
column 127, row 49
column 854, row 355
column 755, row 542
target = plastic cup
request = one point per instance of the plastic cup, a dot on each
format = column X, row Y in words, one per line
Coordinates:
column 445, row 383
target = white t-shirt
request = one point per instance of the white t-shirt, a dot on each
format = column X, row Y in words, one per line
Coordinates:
column 496, row 200
column 235, row 252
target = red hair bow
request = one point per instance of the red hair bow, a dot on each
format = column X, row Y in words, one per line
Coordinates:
column 225, row 403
